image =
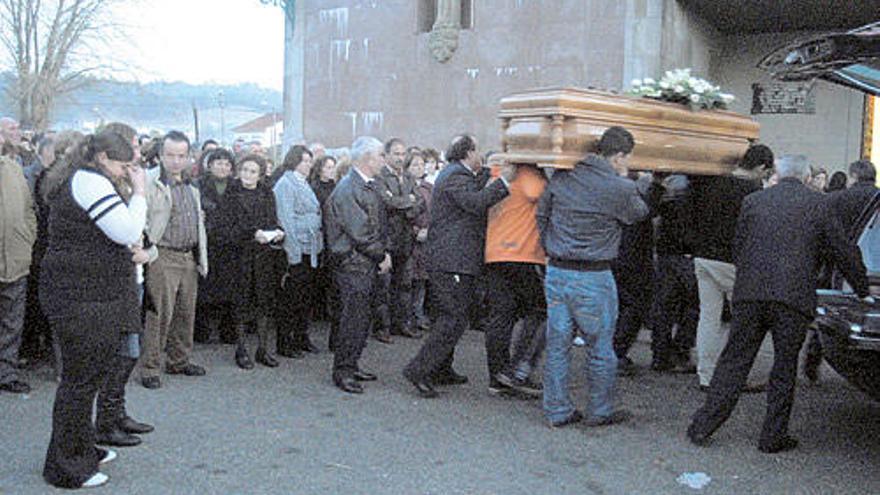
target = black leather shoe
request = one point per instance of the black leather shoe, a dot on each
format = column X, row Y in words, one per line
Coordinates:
column 574, row 417
column 292, row 354
column 406, row 332
column 187, row 369
column 383, row 337
column 16, row 387
column 129, row 425
column 784, row 444
column 308, row 346
column 349, row 384
column 242, row 360
column 364, row 376
column 117, row 438
column 449, row 377
column 425, row 390
column 698, row 439
column 263, row 357
column 151, row 382
column 616, row 417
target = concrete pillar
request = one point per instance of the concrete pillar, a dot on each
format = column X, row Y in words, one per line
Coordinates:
column 294, row 76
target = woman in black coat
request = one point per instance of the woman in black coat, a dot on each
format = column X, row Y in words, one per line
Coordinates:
column 322, row 181
column 262, row 259
column 218, row 292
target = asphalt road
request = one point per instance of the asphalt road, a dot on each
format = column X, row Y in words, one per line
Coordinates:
column 289, row 431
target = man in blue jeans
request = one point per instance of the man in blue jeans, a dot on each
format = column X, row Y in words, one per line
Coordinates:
column 580, row 216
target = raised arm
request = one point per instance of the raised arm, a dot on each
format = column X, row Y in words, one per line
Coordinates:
column 122, row 223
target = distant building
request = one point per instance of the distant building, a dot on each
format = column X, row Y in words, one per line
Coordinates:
column 425, row 70
column 268, row 129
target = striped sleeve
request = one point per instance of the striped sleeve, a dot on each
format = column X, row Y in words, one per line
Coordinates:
column 122, row 223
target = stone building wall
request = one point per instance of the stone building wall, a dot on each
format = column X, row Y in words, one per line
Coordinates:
column 830, row 138
column 369, row 69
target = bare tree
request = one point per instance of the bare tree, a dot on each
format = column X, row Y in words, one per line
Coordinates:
column 47, row 44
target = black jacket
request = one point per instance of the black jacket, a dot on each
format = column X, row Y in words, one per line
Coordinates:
column 225, row 237
column 355, row 235
column 403, row 204
column 781, row 234
column 457, row 232
column 849, row 203
column 714, row 203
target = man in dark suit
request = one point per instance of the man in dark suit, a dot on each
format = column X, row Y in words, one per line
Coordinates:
column 780, row 236
column 403, row 204
column 456, row 240
column 849, row 203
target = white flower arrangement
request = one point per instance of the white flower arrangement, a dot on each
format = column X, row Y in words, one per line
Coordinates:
column 679, row 86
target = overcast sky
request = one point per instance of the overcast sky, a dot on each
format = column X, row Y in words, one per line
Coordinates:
column 202, row 41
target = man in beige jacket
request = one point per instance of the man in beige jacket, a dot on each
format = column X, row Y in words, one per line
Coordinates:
column 18, row 230
column 178, row 254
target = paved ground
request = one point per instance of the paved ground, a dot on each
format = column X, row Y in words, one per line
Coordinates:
column 289, row 431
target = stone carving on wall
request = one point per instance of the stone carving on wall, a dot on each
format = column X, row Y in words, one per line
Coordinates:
column 443, row 39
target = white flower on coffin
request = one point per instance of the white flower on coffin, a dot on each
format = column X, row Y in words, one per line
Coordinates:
column 695, row 98
column 664, row 85
column 678, row 89
column 636, row 83
column 649, row 82
column 727, row 98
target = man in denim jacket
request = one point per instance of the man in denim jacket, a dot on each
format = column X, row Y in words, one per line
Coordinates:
column 580, row 216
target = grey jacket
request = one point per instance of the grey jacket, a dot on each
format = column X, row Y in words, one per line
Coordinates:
column 299, row 214
column 581, row 212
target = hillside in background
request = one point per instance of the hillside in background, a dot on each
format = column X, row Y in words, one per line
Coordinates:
column 160, row 106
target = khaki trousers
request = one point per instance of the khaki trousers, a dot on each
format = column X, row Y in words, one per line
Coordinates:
column 172, row 282
column 715, row 281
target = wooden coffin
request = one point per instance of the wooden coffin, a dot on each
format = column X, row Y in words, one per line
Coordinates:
column 557, row 127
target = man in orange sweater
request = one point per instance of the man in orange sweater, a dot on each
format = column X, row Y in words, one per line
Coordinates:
column 514, row 277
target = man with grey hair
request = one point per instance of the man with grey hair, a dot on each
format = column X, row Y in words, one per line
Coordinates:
column 357, row 244
column 780, row 235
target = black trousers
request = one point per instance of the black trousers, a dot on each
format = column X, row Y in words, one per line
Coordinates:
column 400, row 292
column 89, row 342
column 293, row 310
column 751, row 321
column 355, row 293
column 453, row 296
column 676, row 302
column 515, row 291
column 635, row 287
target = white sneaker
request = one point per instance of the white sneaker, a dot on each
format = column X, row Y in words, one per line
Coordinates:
column 110, row 456
column 97, row 479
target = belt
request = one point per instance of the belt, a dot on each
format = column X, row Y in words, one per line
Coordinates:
column 580, row 265
column 177, row 250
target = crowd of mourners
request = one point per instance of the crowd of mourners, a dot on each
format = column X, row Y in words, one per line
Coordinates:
column 120, row 251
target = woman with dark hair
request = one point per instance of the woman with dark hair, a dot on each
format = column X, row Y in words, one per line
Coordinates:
column 262, row 259
column 88, row 292
column 322, row 179
column 218, row 293
column 113, row 424
column 837, row 182
column 299, row 214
